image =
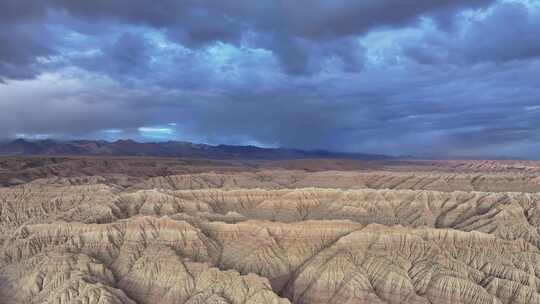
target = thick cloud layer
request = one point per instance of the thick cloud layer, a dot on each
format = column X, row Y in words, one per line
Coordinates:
column 398, row 77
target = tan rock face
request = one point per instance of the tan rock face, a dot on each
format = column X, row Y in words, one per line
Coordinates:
column 276, row 236
column 521, row 181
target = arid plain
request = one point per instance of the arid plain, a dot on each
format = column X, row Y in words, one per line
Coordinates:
column 167, row 230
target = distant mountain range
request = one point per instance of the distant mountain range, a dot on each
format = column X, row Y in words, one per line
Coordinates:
column 167, row 149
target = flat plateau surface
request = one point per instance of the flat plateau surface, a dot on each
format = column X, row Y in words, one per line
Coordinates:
column 165, row 230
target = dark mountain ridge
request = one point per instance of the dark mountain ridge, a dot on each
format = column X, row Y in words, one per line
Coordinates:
column 167, row 149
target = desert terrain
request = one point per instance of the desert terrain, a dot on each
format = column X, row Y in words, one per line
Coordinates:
column 126, row 230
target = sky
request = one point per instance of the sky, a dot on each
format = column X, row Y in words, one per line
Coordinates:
column 398, row 77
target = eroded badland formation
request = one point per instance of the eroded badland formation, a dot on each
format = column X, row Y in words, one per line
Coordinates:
column 144, row 230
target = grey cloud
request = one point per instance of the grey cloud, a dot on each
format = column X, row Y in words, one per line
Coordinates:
column 304, row 18
column 416, row 120
column 20, row 48
column 284, row 74
column 15, row 11
column 294, row 27
column 129, row 51
column 65, row 107
column 509, row 31
column 126, row 56
column 317, row 113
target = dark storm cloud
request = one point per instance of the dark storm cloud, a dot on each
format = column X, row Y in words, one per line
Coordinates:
column 198, row 23
column 508, row 32
column 128, row 51
column 19, row 44
column 208, row 20
column 302, row 56
column 397, row 77
column 13, row 11
column 20, row 48
column 129, row 54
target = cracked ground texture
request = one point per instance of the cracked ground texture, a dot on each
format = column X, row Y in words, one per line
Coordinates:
column 275, row 232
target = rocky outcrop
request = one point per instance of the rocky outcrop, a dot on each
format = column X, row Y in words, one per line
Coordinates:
column 149, row 260
column 140, row 260
column 272, row 236
column 282, row 179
